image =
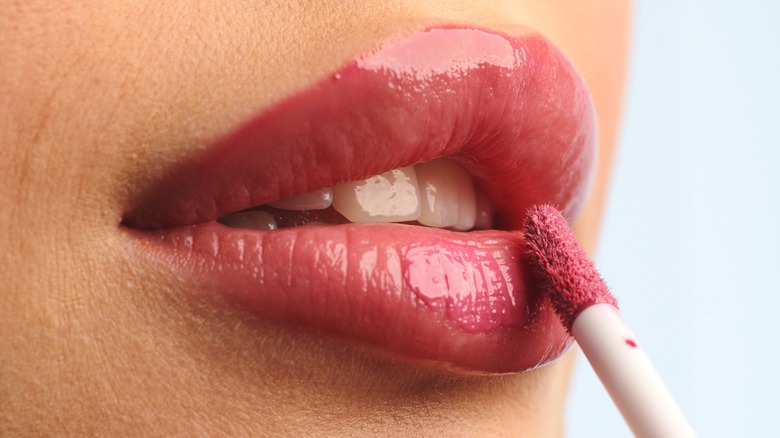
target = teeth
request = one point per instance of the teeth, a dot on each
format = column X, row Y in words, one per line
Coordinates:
column 390, row 197
column 252, row 219
column 317, row 200
column 439, row 193
column 448, row 198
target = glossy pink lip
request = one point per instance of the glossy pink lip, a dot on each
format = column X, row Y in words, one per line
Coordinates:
column 511, row 110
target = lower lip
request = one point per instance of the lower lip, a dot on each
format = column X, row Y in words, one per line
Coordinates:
column 461, row 300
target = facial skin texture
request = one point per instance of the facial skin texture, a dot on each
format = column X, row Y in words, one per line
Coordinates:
column 95, row 93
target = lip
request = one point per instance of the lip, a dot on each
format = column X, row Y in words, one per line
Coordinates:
column 513, row 112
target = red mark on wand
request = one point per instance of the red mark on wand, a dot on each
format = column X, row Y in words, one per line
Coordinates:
column 630, row 342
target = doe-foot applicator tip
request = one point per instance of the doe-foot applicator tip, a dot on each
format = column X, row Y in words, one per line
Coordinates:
column 588, row 310
column 565, row 273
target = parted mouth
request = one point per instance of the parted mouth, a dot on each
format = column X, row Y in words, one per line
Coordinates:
column 370, row 205
column 438, row 193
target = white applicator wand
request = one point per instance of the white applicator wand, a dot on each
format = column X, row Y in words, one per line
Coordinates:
column 588, row 310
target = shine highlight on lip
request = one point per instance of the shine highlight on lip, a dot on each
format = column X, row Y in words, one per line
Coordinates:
column 445, row 130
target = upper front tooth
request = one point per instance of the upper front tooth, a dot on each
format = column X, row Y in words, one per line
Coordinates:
column 316, row 200
column 389, row 197
column 448, row 198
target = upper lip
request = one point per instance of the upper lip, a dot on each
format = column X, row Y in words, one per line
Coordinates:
column 511, row 110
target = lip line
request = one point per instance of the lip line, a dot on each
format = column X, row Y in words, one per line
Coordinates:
column 465, row 141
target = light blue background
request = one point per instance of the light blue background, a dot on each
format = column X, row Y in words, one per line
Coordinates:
column 691, row 245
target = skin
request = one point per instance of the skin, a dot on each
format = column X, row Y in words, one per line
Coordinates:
column 98, row 95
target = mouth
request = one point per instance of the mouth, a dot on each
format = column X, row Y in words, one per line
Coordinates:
column 379, row 204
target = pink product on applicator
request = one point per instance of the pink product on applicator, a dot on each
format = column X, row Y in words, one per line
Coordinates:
column 588, row 310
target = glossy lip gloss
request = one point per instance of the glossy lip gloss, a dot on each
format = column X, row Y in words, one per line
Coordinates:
column 510, row 109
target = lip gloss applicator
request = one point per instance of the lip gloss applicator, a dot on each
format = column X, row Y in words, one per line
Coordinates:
column 589, row 311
